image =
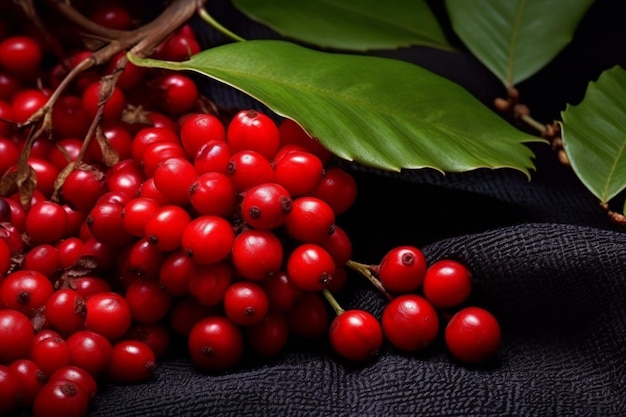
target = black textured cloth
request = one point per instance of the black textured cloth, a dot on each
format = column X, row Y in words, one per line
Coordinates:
column 545, row 259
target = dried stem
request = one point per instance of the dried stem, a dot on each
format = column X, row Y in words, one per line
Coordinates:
column 367, row 272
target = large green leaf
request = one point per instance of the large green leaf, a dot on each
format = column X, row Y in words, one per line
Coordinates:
column 516, row 38
column 380, row 112
column 349, row 24
column 594, row 135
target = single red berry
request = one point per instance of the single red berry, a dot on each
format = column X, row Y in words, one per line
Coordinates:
column 83, row 186
column 26, row 102
column 245, row 302
column 257, row 254
column 165, row 228
column 356, row 335
column 251, row 130
column 108, row 313
column 61, row 398
column 90, row 351
column 266, row 206
column 310, row 267
column 65, row 151
column 338, row 188
column 299, row 172
column 65, row 311
column 248, row 168
column 447, row 283
column 46, row 222
column 173, row 178
column 148, row 136
column 473, row 335
column 157, row 336
column 79, row 376
column 410, row 322
column 20, row 54
column 69, row 119
column 213, row 156
column 26, row 291
column 311, row 220
column 283, row 294
column 16, row 333
column 51, row 354
column 291, row 133
column 213, row 193
column 268, row 337
column 402, row 269
column 32, row 378
column 149, row 303
column 131, row 361
column 136, row 214
column 98, row 91
column 215, row 344
column 200, row 128
column 174, row 273
column 207, row 284
column 178, row 93
column 105, row 224
column 43, row 258
column 208, row 239
column 339, row 245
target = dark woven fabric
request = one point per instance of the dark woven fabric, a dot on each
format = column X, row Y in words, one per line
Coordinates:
column 545, row 260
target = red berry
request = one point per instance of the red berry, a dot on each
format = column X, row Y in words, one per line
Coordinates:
column 90, row 351
column 310, row 267
column 16, row 333
column 65, row 311
column 473, row 335
column 402, row 269
column 178, row 93
column 20, row 54
column 248, row 168
column 26, row 291
column 356, row 335
column 108, row 313
column 311, row 220
column 245, row 302
column 198, row 129
column 173, row 178
column 447, row 283
column 212, row 193
column 251, row 130
column 10, row 390
column 61, row 398
column 51, row 354
column 266, row 206
column 257, row 254
column 208, row 283
column 32, row 378
column 208, row 239
column 131, row 361
column 215, row 344
column 410, row 322
column 165, row 228
column 337, row 188
column 149, row 303
column 114, row 105
column 46, row 222
column 299, row 172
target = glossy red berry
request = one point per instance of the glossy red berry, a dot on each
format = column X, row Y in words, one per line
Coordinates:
column 283, row 294
column 26, row 291
column 215, row 344
column 65, row 311
column 213, row 156
column 136, row 213
column 83, row 186
column 32, row 379
column 131, row 361
column 90, row 351
column 299, row 172
column 178, row 93
column 200, row 128
column 46, row 222
column 248, row 168
column 20, row 54
column 165, row 228
column 311, row 220
column 268, row 337
column 338, row 188
column 447, row 284
column 16, row 333
column 207, row 284
column 266, row 206
column 213, row 193
column 108, row 313
column 257, row 254
column 310, row 267
column 356, row 335
column 473, row 335
column 148, row 301
column 245, row 302
column 61, row 398
column 174, row 273
column 208, row 239
column 51, row 354
column 251, row 130
column 173, row 178
column 402, row 269
column 83, row 379
column 410, row 322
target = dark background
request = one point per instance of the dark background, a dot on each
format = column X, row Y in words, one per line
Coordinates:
column 545, row 259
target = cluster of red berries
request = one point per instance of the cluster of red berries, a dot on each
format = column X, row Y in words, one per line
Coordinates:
column 420, row 298
column 172, row 222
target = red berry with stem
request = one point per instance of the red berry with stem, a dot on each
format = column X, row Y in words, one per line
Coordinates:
column 410, row 322
column 215, row 344
column 356, row 335
column 402, row 269
column 447, row 284
column 98, row 91
column 473, row 335
column 310, row 267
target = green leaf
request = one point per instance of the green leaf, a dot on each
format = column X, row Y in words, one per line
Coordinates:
column 594, row 135
column 516, row 38
column 350, row 25
column 380, row 112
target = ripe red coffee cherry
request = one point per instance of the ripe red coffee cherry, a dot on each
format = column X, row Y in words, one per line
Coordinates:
column 212, row 193
column 173, row 178
column 90, row 351
column 299, row 172
column 178, row 93
column 447, row 283
column 251, row 130
column 310, row 267
column 473, row 335
column 64, row 395
column 266, row 206
column 16, row 333
column 20, row 54
column 257, row 254
column 26, row 291
column 131, row 361
column 410, row 322
column 356, row 335
column 245, row 302
column 46, row 222
column 248, row 168
column 83, row 186
column 65, row 311
column 213, row 156
column 208, row 283
column 208, row 239
column 215, row 344
column 402, row 269
column 311, row 220
column 338, row 188
column 199, row 129
column 165, row 228
column 108, row 313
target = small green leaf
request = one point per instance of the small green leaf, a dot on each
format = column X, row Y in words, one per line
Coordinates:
column 594, row 135
column 516, row 38
column 380, row 112
column 350, row 25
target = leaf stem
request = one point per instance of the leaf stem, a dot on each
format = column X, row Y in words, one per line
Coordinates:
column 332, row 301
column 216, row 25
column 367, row 272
